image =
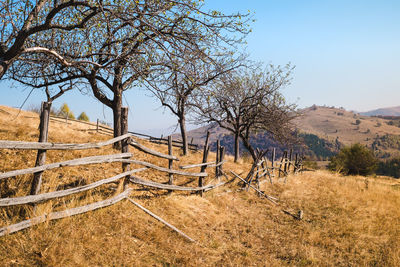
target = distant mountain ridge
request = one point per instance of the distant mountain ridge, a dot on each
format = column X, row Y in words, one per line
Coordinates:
column 391, row 111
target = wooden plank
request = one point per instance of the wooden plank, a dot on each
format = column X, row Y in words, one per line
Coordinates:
column 161, row 220
column 4, row 202
column 63, row 214
column 58, row 146
column 147, row 164
column 260, row 192
column 137, row 180
column 212, row 164
column 151, row 152
column 74, row 162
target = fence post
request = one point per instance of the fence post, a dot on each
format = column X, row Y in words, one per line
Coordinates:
column 273, row 161
column 97, row 126
column 290, row 159
column 205, row 156
column 217, row 158
column 221, row 158
column 284, row 158
column 125, row 143
column 43, row 137
column 170, row 161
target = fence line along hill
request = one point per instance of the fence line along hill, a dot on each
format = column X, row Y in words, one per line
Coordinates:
column 327, row 219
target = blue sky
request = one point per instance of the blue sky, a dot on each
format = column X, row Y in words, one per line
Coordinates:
column 346, row 53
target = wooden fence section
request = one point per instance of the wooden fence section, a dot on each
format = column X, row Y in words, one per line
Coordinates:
column 273, row 169
column 124, row 158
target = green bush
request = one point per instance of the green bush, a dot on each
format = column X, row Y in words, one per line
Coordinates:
column 354, row 160
column 65, row 111
column 83, row 117
column 389, row 167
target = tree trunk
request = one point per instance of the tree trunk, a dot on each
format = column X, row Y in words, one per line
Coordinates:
column 236, row 147
column 3, row 69
column 249, row 147
column 182, row 124
column 117, row 105
column 41, row 155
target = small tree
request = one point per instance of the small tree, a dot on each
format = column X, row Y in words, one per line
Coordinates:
column 83, row 117
column 248, row 101
column 354, row 160
column 66, row 112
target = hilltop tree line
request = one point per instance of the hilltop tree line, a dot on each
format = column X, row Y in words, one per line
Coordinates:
column 188, row 57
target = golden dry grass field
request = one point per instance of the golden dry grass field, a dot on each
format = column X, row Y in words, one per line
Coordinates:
column 348, row 221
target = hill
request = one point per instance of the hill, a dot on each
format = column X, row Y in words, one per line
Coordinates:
column 324, row 130
column 392, row 111
column 348, row 221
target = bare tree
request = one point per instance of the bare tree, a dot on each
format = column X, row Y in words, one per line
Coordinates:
column 248, row 101
column 126, row 46
column 180, row 77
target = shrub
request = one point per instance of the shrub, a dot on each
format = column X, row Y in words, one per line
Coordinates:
column 358, row 122
column 354, row 160
column 389, row 167
column 83, row 117
column 65, row 111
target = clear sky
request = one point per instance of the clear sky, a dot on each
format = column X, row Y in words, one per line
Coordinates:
column 346, row 53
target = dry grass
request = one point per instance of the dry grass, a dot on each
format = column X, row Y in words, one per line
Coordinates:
column 347, row 221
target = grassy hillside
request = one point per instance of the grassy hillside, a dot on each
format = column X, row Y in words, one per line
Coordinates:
column 348, row 221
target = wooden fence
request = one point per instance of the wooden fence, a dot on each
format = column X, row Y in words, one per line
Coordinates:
column 125, row 177
column 272, row 169
column 261, row 168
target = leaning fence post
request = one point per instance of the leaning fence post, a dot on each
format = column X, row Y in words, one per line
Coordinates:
column 41, row 155
column 170, row 161
column 125, row 143
column 205, row 156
